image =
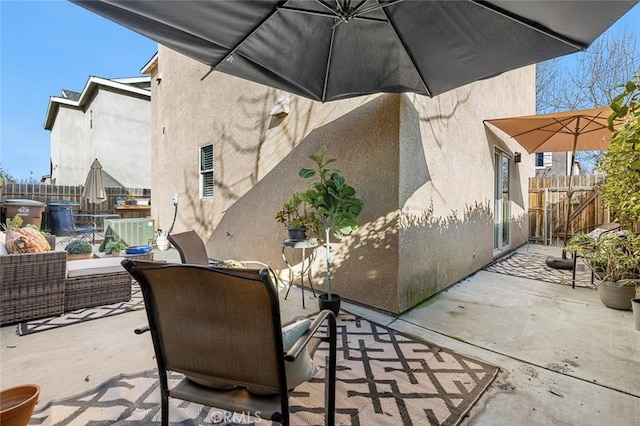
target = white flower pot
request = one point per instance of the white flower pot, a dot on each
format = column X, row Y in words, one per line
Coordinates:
column 635, row 305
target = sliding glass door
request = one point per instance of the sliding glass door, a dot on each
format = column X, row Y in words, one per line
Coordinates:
column 501, row 214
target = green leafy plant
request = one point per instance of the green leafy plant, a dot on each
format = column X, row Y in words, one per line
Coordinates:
column 333, row 201
column 43, row 233
column 10, row 223
column 114, row 246
column 621, row 163
column 614, row 257
column 78, row 246
column 296, row 213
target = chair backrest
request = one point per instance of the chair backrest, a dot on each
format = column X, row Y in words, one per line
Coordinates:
column 221, row 325
column 67, row 222
column 191, row 247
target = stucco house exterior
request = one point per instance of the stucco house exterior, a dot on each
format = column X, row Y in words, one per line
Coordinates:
column 109, row 120
column 442, row 194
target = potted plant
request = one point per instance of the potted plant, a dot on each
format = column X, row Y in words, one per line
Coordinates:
column 298, row 218
column 621, row 162
column 336, row 207
column 130, row 200
column 615, row 260
column 114, row 247
column 79, row 249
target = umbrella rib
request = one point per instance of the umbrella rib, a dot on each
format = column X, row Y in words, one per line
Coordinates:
column 246, row 37
column 326, row 72
column 577, row 132
column 328, row 15
column 408, row 52
column 531, row 24
column 379, row 6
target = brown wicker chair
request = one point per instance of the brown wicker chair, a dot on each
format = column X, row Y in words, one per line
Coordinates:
column 32, row 285
column 221, row 328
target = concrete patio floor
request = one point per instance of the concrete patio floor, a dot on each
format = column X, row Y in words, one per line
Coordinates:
column 565, row 358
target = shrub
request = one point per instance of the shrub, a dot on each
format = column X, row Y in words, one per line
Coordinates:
column 78, row 247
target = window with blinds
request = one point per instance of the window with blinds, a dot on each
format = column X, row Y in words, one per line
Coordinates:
column 206, row 171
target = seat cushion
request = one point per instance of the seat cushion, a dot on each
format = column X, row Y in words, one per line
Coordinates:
column 107, row 265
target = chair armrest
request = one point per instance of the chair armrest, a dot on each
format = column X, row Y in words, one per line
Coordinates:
column 264, row 265
column 308, row 335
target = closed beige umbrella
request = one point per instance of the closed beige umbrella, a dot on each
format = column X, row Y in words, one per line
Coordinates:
column 569, row 131
column 94, row 190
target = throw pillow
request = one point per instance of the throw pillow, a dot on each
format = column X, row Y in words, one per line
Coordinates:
column 303, row 368
column 229, row 263
column 26, row 240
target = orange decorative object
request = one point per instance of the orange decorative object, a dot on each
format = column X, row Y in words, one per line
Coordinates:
column 17, row 404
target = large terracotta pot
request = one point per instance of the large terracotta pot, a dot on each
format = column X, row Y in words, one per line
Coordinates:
column 616, row 297
column 17, row 404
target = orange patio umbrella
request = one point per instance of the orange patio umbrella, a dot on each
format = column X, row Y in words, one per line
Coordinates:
column 569, row 131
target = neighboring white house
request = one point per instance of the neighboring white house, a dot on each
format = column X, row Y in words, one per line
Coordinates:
column 552, row 164
column 109, row 120
column 442, row 194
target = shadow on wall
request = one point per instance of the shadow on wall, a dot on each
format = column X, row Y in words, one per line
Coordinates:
column 238, row 158
column 439, row 251
column 395, row 259
column 366, row 143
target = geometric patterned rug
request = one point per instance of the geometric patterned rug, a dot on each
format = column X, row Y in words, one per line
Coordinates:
column 86, row 314
column 533, row 266
column 384, row 377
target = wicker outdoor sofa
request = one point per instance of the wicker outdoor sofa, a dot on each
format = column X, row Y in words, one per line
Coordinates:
column 32, row 285
column 39, row 285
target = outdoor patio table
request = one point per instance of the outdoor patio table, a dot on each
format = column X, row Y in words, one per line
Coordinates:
column 304, row 268
column 93, row 218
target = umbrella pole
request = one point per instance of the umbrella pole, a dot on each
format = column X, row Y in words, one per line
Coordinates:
column 573, row 160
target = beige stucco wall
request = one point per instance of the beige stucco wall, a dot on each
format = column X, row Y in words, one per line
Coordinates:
column 423, row 167
column 67, row 136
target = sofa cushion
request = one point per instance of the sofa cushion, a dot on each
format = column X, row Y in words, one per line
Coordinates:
column 81, row 268
column 26, row 240
column 3, row 244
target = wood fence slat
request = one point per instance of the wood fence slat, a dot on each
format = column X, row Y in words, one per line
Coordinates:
column 48, row 193
column 586, row 215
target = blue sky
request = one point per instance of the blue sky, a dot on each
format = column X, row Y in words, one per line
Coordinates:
column 46, row 46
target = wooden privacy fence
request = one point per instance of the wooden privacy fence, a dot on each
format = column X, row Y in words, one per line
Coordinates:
column 548, row 207
column 51, row 193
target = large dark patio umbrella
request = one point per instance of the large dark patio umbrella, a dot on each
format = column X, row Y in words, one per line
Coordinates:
column 334, row 49
column 568, row 131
